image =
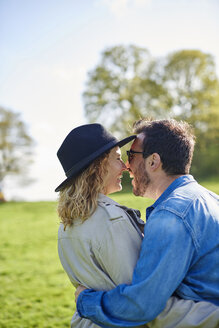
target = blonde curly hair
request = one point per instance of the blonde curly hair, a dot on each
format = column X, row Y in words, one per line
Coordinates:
column 79, row 198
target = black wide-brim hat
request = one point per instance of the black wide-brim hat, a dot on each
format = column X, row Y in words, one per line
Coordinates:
column 82, row 146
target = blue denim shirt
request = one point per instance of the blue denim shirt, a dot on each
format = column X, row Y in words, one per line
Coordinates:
column 179, row 253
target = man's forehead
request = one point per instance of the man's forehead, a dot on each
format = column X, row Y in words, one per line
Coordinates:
column 138, row 142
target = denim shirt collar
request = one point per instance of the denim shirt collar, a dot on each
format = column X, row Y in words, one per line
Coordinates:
column 176, row 183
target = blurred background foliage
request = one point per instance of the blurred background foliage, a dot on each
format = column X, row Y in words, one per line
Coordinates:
column 16, row 148
column 129, row 84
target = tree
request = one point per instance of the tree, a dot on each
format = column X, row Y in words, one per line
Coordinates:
column 190, row 78
column 15, row 145
column 129, row 84
column 122, row 88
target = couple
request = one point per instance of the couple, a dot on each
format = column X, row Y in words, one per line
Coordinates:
column 168, row 277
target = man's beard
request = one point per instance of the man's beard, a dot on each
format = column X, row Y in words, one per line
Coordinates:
column 141, row 180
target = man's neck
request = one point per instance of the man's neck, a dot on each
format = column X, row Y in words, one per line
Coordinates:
column 159, row 184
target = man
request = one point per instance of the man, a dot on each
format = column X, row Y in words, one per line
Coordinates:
column 180, row 250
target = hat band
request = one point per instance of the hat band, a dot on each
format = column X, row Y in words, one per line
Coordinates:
column 93, row 156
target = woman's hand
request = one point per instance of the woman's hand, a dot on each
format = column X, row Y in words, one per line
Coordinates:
column 79, row 289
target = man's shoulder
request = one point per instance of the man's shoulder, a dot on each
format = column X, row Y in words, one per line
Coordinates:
column 187, row 196
column 175, row 204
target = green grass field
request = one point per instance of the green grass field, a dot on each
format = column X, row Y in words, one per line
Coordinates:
column 35, row 291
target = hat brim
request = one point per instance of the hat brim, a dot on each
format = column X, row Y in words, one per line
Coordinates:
column 88, row 160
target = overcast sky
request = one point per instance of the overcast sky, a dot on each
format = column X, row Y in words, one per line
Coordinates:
column 48, row 46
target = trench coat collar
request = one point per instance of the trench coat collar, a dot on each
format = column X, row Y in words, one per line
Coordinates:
column 105, row 199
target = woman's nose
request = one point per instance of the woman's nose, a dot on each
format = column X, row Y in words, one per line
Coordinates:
column 124, row 168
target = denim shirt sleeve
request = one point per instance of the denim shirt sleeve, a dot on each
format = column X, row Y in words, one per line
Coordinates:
column 166, row 253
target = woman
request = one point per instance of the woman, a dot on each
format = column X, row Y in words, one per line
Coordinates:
column 98, row 240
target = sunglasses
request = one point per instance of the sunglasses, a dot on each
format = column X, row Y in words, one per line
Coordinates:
column 130, row 153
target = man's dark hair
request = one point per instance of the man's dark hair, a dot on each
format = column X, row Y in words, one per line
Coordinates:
column 172, row 140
